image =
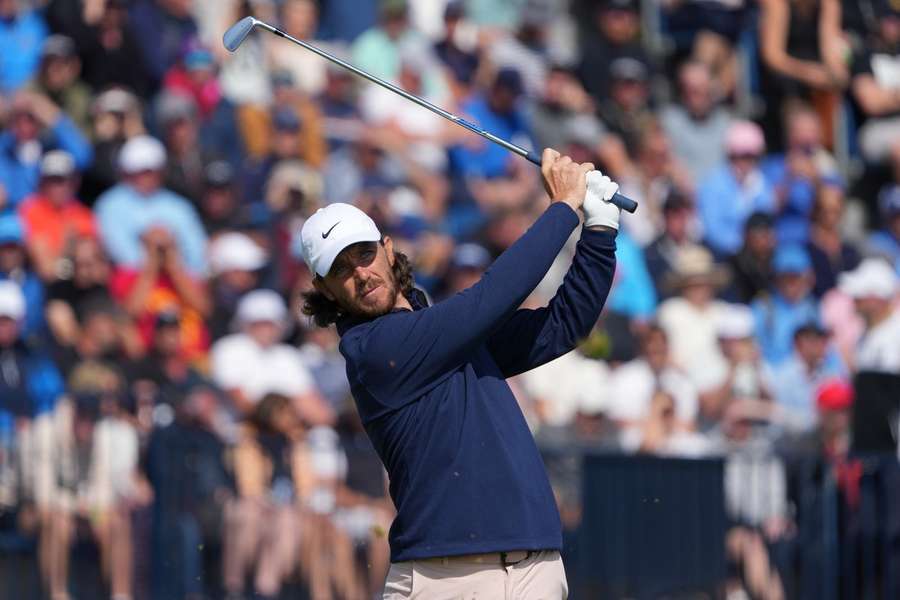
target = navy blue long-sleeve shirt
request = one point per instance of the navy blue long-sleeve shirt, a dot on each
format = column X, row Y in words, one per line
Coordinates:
column 465, row 474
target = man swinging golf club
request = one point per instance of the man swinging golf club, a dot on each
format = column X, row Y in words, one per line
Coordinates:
column 475, row 513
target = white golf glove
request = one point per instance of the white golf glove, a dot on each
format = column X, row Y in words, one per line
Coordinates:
column 598, row 210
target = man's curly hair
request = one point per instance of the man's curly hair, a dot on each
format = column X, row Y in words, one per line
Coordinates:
column 324, row 312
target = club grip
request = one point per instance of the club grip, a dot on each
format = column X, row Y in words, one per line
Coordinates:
column 623, row 202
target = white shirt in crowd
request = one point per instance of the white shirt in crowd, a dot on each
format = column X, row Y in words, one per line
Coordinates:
column 632, row 386
column 693, row 338
column 238, row 362
column 570, row 384
column 879, row 348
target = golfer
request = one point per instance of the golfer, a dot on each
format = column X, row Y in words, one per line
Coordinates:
column 475, row 513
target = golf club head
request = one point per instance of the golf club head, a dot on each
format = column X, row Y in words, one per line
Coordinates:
column 238, row 32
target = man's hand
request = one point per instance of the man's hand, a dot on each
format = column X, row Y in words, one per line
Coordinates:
column 564, row 179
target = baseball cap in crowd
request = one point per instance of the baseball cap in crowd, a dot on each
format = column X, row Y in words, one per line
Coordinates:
column 142, row 153
column 627, row 68
column 455, row 9
column 812, row 327
column 115, row 101
column 629, row 5
column 286, row 119
column 172, row 107
column 12, row 301
column 889, row 201
column 873, row 277
column 57, row 163
column 735, row 322
column 676, row 201
column 58, row 46
column 743, row 138
column 834, row 394
column 791, row 259
column 509, row 79
column 11, row 229
column 218, row 173
column 759, row 220
column 282, row 78
column 235, row 251
column 261, row 305
column 198, row 57
column 470, row 256
column 330, row 230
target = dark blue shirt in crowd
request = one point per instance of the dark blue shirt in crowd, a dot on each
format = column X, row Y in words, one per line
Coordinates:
column 465, row 474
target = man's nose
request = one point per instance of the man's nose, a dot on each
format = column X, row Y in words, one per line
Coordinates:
column 361, row 273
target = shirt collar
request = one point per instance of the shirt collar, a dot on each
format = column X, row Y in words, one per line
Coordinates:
column 417, row 299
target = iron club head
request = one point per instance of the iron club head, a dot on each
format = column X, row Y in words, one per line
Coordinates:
column 238, row 32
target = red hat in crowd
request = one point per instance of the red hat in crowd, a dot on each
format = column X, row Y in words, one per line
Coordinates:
column 835, row 394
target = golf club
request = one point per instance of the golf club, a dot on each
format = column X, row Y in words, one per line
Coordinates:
column 238, row 32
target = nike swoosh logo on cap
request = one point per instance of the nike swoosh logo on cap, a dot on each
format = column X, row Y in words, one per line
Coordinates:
column 327, row 233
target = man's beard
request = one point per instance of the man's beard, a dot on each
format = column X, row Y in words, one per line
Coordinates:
column 372, row 311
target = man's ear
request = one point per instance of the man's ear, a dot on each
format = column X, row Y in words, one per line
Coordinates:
column 388, row 244
column 320, row 287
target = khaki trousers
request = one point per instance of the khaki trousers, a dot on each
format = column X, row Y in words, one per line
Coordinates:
column 481, row 577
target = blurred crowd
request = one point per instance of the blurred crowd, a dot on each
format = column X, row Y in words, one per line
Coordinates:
column 161, row 394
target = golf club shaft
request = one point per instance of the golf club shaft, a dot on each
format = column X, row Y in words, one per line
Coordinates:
column 619, row 200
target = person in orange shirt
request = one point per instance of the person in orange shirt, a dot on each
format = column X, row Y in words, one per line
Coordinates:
column 54, row 218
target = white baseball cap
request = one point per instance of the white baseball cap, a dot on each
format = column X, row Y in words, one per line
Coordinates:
column 735, row 322
column 261, row 305
column 235, row 251
column 57, row 163
column 142, row 153
column 872, row 278
column 330, row 230
column 12, row 301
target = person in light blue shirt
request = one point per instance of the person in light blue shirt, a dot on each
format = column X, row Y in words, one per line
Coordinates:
column 886, row 241
column 789, row 305
column 36, row 126
column 22, row 34
column 139, row 202
column 734, row 190
column 797, row 379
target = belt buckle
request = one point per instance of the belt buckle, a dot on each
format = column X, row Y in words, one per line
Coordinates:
column 506, row 563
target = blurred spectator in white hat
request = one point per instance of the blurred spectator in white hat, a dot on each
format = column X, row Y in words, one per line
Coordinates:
column 873, row 285
column 139, row 202
column 735, row 189
column 53, row 217
column 235, row 262
column 253, row 361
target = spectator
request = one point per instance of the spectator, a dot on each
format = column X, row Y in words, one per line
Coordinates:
column 735, row 190
column 561, row 109
column 626, row 110
column 829, row 253
column 162, row 284
column 790, row 304
column 662, row 254
column 658, row 433
column 339, row 110
column 633, row 386
column 105, row 335
column 885, row 242
column 179, row 126
column 696, row 125
column 35, row 126
column 299, row 18
column 253, row 362
column 22, row 33
column 219, row 205
column 462, row 62
column 527, row 48
column 194, row 76
column 797, row 174
column 320, row 355
column 185, row 464
column 83, row 282
column 802, row 49
column 614, row 34
column 235, row 263
column 378, row 50
column 796, row 381
column 633, row 293
column 165, row 26
column 876, row 88
column 139, row 202
column 689, row 317
column 58, row 79
column 269, row 473
column 742, row 376
column 751, row 267
column 117, row 117
column 53, row 217
column 15, row 267
column 873, row 287
column 830, row 439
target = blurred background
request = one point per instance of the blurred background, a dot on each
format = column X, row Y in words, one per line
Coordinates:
column 171, row 428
